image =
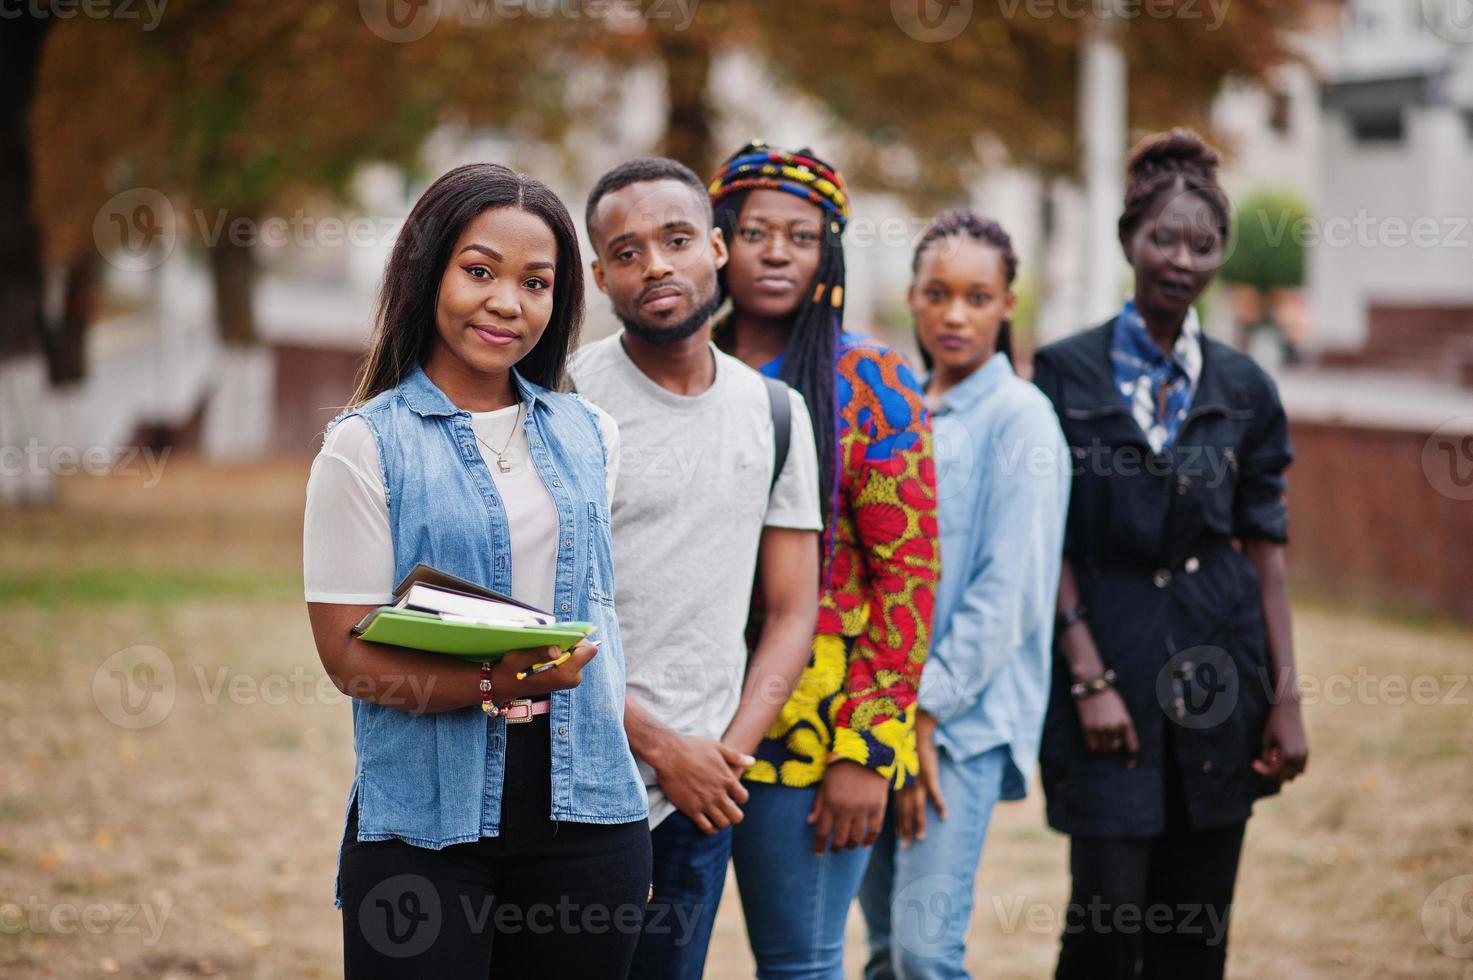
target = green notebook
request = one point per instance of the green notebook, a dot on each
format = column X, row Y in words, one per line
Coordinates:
column 474, row 641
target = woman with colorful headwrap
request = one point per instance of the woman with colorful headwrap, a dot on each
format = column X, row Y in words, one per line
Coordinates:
column 846, row 737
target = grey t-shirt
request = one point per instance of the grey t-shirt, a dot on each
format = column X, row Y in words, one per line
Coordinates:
column 691, row 503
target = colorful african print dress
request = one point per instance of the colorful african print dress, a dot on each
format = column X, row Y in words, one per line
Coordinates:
column 856, row 699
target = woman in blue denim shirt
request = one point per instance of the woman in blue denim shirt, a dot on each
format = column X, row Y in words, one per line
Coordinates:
column 1002, row 486
column 478, row 842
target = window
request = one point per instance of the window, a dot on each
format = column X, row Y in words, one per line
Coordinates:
column 1384, row 126
column 1279, row 108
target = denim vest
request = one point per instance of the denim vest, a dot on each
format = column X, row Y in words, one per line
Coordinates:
column 435, row 780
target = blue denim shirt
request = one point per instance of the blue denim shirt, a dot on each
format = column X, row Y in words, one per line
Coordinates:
column 435, row 780
column 1002, row 486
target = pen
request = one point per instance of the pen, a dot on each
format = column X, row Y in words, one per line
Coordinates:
column 545, row 666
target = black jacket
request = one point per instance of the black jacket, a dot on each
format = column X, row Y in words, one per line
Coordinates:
column 1173, row 605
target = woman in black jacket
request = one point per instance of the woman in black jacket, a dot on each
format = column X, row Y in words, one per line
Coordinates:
column 1174, row 702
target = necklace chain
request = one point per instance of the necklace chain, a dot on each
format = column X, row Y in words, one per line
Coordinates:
column 501, row 463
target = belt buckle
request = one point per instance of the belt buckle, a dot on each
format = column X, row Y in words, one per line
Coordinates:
column 519, row 712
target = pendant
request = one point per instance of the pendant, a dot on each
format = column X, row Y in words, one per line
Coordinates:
column 503, row 465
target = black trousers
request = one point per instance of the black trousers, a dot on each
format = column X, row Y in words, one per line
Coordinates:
column 543, row 899
column 1154, row 907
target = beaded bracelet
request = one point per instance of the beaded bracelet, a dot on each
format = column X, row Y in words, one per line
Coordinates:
column 1091, row 686
column 488, row 703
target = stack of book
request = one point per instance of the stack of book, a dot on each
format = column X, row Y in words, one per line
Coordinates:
column 440, row 613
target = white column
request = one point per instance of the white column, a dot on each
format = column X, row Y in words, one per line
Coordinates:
column 1102, row 121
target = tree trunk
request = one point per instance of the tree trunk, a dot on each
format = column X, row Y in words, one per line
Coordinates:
column 1055, row 317
column 233, row 267
column 66, row 347
column 21, row 42
column 1047, row 221
column 239, row 413
column 1103, row 118
column 687, row 58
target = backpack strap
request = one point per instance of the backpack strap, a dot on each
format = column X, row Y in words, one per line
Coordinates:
column 782, row 426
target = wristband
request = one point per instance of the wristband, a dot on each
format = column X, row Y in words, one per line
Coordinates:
column 1067, row 619
column 1091, row 686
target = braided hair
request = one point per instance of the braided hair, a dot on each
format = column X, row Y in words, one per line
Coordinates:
column 961, row 221
column 810, row 359
column 1178, row 161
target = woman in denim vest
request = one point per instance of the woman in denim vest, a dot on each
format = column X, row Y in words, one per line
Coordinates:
column 511, row 840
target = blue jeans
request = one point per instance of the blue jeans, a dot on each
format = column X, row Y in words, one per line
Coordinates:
column 689, row 875
column 795, row 901
column 917, row 901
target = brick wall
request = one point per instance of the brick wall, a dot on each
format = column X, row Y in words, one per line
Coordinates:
column 312, row 384
column 1368, row 522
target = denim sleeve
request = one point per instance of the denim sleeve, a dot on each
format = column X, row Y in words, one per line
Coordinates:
column 1013, row 577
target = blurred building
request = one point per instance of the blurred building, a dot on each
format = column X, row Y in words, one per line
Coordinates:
column 1392, row 279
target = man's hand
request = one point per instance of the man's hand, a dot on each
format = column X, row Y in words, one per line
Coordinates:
column 850, row 807
column 701, row 776
column 910, row 803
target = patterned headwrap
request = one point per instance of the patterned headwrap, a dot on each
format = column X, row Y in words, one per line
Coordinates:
column 809, row 362
column 758, row 165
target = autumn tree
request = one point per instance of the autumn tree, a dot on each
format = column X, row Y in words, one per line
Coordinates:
column 1009, row 76
column 239, row 110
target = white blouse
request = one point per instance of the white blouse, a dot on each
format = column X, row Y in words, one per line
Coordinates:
column 348, row 550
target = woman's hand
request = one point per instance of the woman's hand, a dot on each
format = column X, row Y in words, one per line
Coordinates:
column 1107, row 726
column 910, row 803
column 850, row 805
column 1285, row 748
column 506, row 687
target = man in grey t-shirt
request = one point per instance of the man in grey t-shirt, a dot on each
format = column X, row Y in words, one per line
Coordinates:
column 696, row 514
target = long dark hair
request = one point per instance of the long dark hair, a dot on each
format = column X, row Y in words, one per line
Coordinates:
column 404, row 328
column 961, row 221
column 809, row 361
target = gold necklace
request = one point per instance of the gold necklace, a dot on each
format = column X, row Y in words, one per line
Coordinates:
column 502, row 463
